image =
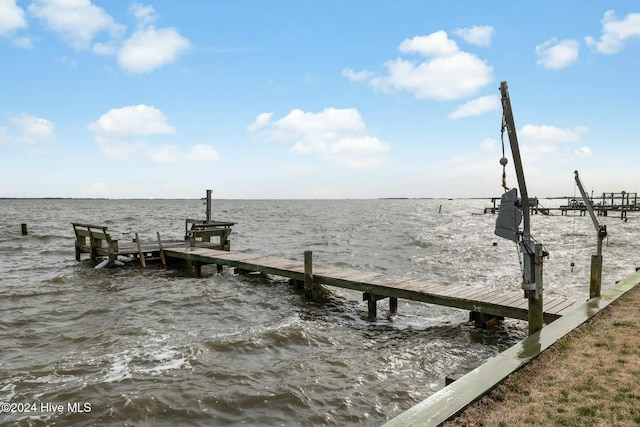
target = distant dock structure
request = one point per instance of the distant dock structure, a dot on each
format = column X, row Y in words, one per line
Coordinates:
column 622, row 203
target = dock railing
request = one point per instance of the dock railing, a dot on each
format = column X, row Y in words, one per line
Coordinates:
column 199, row 232
column 99, row 242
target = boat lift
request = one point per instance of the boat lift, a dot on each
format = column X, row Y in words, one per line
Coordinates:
column 595, row 282
column 511, row 212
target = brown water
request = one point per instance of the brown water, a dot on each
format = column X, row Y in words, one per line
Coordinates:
column 133, row 346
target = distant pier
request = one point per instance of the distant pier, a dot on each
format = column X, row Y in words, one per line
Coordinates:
column 615, row 203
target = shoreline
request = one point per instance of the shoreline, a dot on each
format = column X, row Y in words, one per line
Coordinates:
column 500, row 393
column 590, row 377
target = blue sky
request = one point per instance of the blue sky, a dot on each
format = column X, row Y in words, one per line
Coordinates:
column 315, row 99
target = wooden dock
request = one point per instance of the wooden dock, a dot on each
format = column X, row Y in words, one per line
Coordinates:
column 482, row 303
column 199, row 249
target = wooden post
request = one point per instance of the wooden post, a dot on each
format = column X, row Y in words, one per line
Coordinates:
column 198, row 267
column 393, row 305
column 535, row 298
column 113, row 253
column 596, row 276
column 372, row 306
column 308, row 275
column 143, row 262
column 208, row 205
column 161, row 253
column 24, row 229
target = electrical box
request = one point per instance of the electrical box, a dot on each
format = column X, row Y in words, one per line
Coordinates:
column 509, row 216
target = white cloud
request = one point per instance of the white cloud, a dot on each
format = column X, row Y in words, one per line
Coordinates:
column 78, row 22
column 615, row 32
column 584, row 152
column 86, row 26
column 172, row 154
column 119, row 135
column 479, row 166
column 135, row 120
column 548, row 153
column 449, row 78
column 447, row 74
column 334, row 134
column 357, row 76
column 551, row 134
column 27, row 129
column 145, row 14
column 489, row 145
column 480, row 36
column 435, row 44
column 149, row 49
column 554, row 54
column 544, row 143
column 476, row 107
column 261, row 121
column 201, row 153
column 11, row 17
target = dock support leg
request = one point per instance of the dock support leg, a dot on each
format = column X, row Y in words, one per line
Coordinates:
column 483, row 320
column 372, row 305
column 536, row 313
column 596, row 276
column 198, row 267
column 219, row 268
column 308, row 275
column 393, row 305
column 161, row 253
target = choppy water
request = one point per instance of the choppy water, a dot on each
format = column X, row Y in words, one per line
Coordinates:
column 160, row 347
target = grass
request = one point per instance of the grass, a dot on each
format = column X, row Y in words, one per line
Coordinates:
column 591, row 377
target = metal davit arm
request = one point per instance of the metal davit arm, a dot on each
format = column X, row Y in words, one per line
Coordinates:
column 600, row 229
column 532, row 253
column 595, row 281
column 515, row 151
column 528, row 248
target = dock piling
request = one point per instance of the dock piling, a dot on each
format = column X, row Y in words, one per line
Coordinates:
column 595, row 281
column 393, row 305
column 24, row 229
column 536, row 312
column 308, row 275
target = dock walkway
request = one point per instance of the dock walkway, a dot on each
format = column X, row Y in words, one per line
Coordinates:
column 376, row 286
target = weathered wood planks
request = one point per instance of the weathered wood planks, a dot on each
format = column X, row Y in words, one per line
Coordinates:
column 376, row 285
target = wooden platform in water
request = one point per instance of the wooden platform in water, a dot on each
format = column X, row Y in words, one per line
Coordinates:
column 376, row 286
